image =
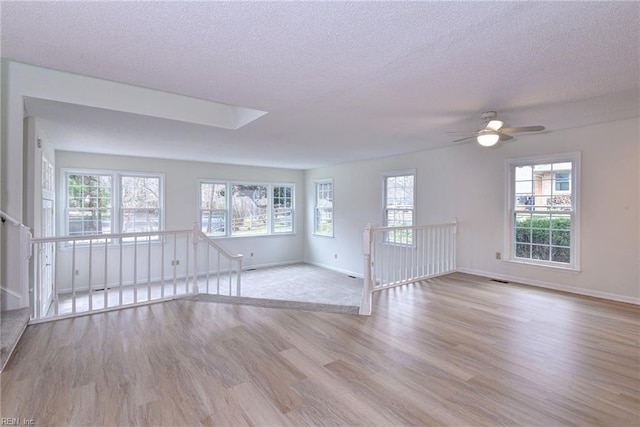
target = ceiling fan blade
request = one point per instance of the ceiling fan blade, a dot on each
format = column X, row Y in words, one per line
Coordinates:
column 466, row 139
column 523, row 129
column 505, row 137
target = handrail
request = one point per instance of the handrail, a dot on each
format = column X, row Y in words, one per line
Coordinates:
column 12, row 220
column 199, row 235
column 414, row 227
column 107, row 236
column 427, row 251
column 10, row 292
column 226, row 254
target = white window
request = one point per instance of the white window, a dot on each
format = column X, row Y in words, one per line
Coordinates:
column 89, row 208
column 213, row 208
column 399, row 196
column 246, row 209
column 282, row 209
column 543, row 215
column 106, row 202
column 249, row 214
column 323, row 216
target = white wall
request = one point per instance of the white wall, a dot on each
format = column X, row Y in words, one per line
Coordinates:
column 468, row 182
column 181, row 203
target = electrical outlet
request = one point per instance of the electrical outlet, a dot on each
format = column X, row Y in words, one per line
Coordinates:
column 335, row 256
column 498, row 255
column 175, row 262
column 77, row 272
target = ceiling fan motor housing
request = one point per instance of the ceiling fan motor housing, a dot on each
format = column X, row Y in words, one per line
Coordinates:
column 489, row 115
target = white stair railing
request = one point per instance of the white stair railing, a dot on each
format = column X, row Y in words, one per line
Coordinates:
column 216, row 271
column 102, row 272
column 19, row 288
column 395, row 256
column 95, row 273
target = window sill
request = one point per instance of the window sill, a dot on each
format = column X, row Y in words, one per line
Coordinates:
column 546, row 266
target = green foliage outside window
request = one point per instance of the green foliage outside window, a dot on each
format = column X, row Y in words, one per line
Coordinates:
column 544, row 238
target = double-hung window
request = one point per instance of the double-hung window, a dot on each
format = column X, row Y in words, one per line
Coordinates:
column 246, row 209
column 213, row 208
column 282, row 209
column 323, row 210
column 399, row 196
column 543, row 210
column 107, row 202
column 89, row 207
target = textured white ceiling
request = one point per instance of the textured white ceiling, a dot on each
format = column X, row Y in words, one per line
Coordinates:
column 341, row 81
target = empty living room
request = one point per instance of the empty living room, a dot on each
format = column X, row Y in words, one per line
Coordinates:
column 320, row 213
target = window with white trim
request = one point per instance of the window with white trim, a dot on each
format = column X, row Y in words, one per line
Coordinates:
column 89, row 208
column 246, row 209
column 399, row 196
column 282, row 209
column 323, row 209
column 543, row 210
column 213, row 208
column 108, row 202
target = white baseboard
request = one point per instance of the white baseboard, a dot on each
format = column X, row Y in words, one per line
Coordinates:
column 338, row 270
column 169, row 279
column 554, row 286
column 246, row 267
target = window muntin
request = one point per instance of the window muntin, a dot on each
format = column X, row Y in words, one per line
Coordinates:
column 246, row 209
column 88, row 207
column 282, row 209
column 107, row 202
column 249, row 214
column 139, row 204
column 323, row 211
column 399, row 206
column 213, row 208
column 543, row 211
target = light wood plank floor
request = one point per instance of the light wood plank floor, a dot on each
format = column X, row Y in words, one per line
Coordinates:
column 458, row 350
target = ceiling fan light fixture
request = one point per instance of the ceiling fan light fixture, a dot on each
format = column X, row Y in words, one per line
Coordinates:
column 494, row 124
column 488, row 138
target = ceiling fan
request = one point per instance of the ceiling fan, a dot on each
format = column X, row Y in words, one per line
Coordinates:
column 493, row 130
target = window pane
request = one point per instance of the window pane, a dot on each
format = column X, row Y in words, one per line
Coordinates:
column 140, row 192
column 88, row 204
column 537, row 189
column 324, row 221
column 324, row 208
column 249, row 216
column 523, row 251
column 523, row 235
column 140, row 205
column 399, row 217
column 139, row 220
column 540, row 252
column 282, row 209
column 213, row 222
column 561, row 255
column 399, row 191
column 213, row 196
column 561, row 238
column 213, row 208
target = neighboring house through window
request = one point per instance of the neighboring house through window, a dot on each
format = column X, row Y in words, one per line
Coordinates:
column 543, row 214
